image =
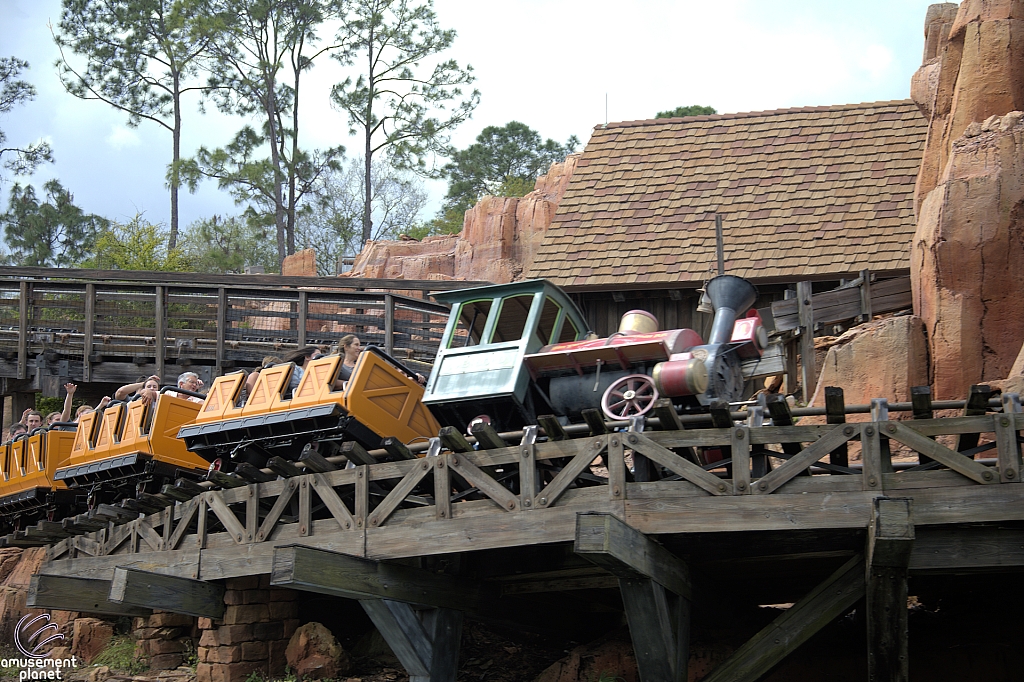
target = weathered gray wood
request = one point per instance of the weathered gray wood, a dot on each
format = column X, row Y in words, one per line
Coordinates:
column 88, row 331
column 740, row 460
column 24, row 293
column 302, row 316
column 426, row 642
column 159, row 331
column 552, row 428
column 226, row 516
column 826, row 602
column 77, row 594
column 362, row 506
column 938, row 550
column 865, row 296
column 187, row 513
column 133, row 587
column 394, row 498
column 835, row 409
column 808, row 456
column 659, row 627
column 305, row 508
column 595, row 421
column 442, row 488
column 553, row 490
column 887, row 556
column 283, row 499
column 487, row 438
column 222, row 328
column 317, row 570
column 283, row 467
column 616, row 468
column 954, row 460
column 396, row 449
column 808, row 371
column 454, row 440
column 977, row 405
column 480, row 480
column 1006, row 439
column 315, row 462
column 871, row 456
column 673, row 462
column 606, row 541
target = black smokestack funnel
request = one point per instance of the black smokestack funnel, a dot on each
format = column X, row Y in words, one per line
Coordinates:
column 731, row 296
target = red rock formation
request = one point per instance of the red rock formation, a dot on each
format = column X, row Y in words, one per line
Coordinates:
column 968, row 252
column 299, row 264
column 499, row 236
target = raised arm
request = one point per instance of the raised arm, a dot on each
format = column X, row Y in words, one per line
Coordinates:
column 65, row 416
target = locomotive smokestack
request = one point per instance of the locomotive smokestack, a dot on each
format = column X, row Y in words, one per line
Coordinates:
column 731, row 296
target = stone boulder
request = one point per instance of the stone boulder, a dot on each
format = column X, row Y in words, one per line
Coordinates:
column 980, row 74
column 498, row 239
column 877, row 359
column 14, row 590
column 313, row 653
column 89, row 637
column 967, row 257
column 300, row 264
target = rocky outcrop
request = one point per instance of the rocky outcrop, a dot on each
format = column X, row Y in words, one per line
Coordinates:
column 878, row 359
column 89, row 637
column 499, row 237
column 19, row 566
column 968, row 252
column 314, row 654
column 300, row 264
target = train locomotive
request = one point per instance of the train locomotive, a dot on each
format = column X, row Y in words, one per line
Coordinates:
column 510, row 355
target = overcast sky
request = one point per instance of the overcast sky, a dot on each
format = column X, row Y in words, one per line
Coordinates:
column 548, row 63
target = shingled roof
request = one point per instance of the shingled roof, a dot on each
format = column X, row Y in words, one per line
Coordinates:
column 804, row 193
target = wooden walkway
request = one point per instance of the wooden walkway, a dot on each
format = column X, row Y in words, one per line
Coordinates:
column 561, row 515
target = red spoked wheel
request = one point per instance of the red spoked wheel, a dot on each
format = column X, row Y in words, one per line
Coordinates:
column 629, row 396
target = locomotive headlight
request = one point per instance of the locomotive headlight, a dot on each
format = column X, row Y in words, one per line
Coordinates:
column 677, row 378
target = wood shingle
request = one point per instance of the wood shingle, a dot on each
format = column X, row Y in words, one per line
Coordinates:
column 804, row 193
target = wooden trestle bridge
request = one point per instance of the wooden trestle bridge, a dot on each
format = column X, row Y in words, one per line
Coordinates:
column 530, row 517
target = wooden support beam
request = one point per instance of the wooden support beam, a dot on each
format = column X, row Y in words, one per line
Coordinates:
column 324, row 572
column 24, row 293
column 921, row 402
column 159, row 332
column 659, row 627
column 426, row 642
column 133, row 587
column 977, row 404
column 88, row 332
column 835, row 410
column 552, row 427
column 302, row 313
column 826, row 602
column 222, row 329
column 77, row 594
column 1006, row 438
column 595, row 421
column 865, row 296
column 625, row 552
column 889, row 544
column 808, row 371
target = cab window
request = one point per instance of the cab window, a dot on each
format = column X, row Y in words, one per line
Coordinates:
column 569, row 331
column 470, row 328
column 548, row 317
column 512, row 318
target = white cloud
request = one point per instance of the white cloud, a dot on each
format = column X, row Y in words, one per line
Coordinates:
column 121, row 137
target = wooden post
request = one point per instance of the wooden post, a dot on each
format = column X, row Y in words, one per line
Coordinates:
column 890, row 540
column 90, row 328
column 303, row 313
column 655, row 588
column 835, row 410
column 977, row 405
column 808, row 371
column 880, row 413
column 160, row 333
column 426, row 642
column 719, row 244
column 865, row 296
column 921, row 401
column 133, row 587
column 389, row 324
column 222, row 327
column 1006, row 439
column 24, row 291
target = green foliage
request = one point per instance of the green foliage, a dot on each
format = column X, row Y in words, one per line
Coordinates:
column 692, row 110
column 259, row 50
column 400, row 104
column 504, row 161
column 119, row 655
column 222, row 245
column 14, row 92
column 136, row 245
column 51, row 233
column 140, row 56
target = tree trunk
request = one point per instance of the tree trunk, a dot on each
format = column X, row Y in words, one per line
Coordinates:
column 275, row 162
column 172, row 238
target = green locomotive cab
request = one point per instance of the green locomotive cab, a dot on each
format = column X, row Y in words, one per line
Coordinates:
column 479, row 369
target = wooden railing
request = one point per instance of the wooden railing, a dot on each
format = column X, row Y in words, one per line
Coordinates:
column 86, row 321
column 457, row 498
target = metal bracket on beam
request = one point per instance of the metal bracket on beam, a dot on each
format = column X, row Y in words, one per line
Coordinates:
column 133, row 587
